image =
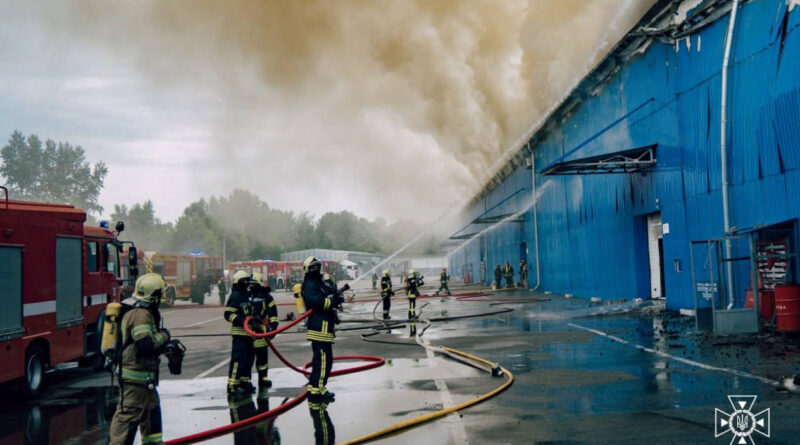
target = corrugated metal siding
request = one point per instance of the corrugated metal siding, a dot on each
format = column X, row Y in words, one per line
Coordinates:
column 591, row 227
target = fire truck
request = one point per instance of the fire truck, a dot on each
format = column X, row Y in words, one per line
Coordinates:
column 56, row 276
column 274, row 271
column 188, row 276
column 283, row 274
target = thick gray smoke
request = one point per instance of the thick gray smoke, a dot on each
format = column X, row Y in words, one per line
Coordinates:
column 404, row 105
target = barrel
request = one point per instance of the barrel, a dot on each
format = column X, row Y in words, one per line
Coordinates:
column 766, row 303
column 787, row 307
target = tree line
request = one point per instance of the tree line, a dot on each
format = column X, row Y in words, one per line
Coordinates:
column 248, row 226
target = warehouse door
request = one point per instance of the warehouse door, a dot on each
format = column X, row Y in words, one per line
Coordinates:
column 655, row 247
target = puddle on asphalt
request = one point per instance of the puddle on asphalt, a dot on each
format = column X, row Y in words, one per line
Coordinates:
column 402, row 390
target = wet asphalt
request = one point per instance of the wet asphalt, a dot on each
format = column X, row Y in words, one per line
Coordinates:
column 584, row 374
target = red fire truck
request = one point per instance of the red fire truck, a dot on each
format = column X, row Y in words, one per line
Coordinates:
column 189, row 276
column 56, row 277
column 283, row 274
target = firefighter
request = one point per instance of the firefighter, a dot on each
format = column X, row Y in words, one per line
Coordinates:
column 266, row 315
column 323, row 299
column 139, row 406
column 324, row 433
column 386, row 293
column 498, row 274
column 523, row 273
column 412, row 291
column 242, row 353
column 508, row 274
column 374, row 281
column 443, row 279
column 222, row 291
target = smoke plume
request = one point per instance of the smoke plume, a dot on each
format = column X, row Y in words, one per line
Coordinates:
column 402, row 105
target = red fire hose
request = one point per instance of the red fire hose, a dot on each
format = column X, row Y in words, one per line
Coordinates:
column 374, row 360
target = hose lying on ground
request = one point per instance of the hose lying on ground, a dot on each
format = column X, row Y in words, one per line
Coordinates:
column 493, row 368
column 375, row 362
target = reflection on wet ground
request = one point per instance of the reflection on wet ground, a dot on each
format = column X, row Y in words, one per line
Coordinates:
column 572, row 386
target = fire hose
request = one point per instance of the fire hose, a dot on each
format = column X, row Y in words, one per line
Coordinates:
column 375, row 362
column 482, row 364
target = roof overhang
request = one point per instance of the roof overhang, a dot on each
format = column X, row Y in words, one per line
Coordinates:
column 636, row 160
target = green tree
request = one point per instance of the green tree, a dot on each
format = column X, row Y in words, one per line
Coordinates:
column 143, row 227
column 53, row 172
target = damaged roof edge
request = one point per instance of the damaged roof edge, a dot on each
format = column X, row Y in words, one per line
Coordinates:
column 640, row 34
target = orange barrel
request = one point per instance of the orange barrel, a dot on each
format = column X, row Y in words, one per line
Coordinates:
column 787, row 306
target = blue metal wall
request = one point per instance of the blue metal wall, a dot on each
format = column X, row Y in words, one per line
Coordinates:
column 591, row 227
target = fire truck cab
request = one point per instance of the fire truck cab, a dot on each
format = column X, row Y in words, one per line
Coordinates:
column 56, row 277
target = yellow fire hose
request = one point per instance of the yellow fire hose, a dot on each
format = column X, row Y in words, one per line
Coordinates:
column 410, row 423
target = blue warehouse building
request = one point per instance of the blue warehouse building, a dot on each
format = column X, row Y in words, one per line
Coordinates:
column 627, row 172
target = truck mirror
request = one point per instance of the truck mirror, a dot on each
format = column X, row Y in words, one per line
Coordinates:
column 120, row 226
column 133, row 256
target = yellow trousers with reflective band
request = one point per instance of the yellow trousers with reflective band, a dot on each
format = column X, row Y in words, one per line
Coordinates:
column 138, row 408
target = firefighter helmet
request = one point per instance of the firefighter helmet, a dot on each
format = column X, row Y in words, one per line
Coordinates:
column 385, row 272
column 310, row 264
column 259, row 279
column 297, row 288
column 412, row 272
column 326, row 277
column 240, row 275
column 149, row 288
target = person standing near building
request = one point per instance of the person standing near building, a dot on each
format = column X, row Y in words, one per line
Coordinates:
column 323, row 300
column 412, row 291
column 242, row 353
column 142, row 343
column 498, row 275
column 508, row 274
column 223, row 291
column 374, row 280
column 523, row 273
column 443, row 280
column 386, row 293
column 266, row 316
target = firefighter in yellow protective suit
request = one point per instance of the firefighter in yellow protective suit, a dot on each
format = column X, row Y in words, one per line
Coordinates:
column 139, row 406
column 266, row 316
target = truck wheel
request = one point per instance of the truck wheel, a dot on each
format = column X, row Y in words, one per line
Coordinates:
column 35, row 365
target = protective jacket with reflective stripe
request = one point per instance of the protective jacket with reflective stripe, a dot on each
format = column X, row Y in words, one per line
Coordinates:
column 236, row 310
column 317, row 296
column 142, row 344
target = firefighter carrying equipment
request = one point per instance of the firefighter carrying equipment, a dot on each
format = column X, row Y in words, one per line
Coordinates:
column 142, row 343
column 322, row 299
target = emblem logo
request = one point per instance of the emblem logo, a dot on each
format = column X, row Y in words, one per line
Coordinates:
column 742, row 423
